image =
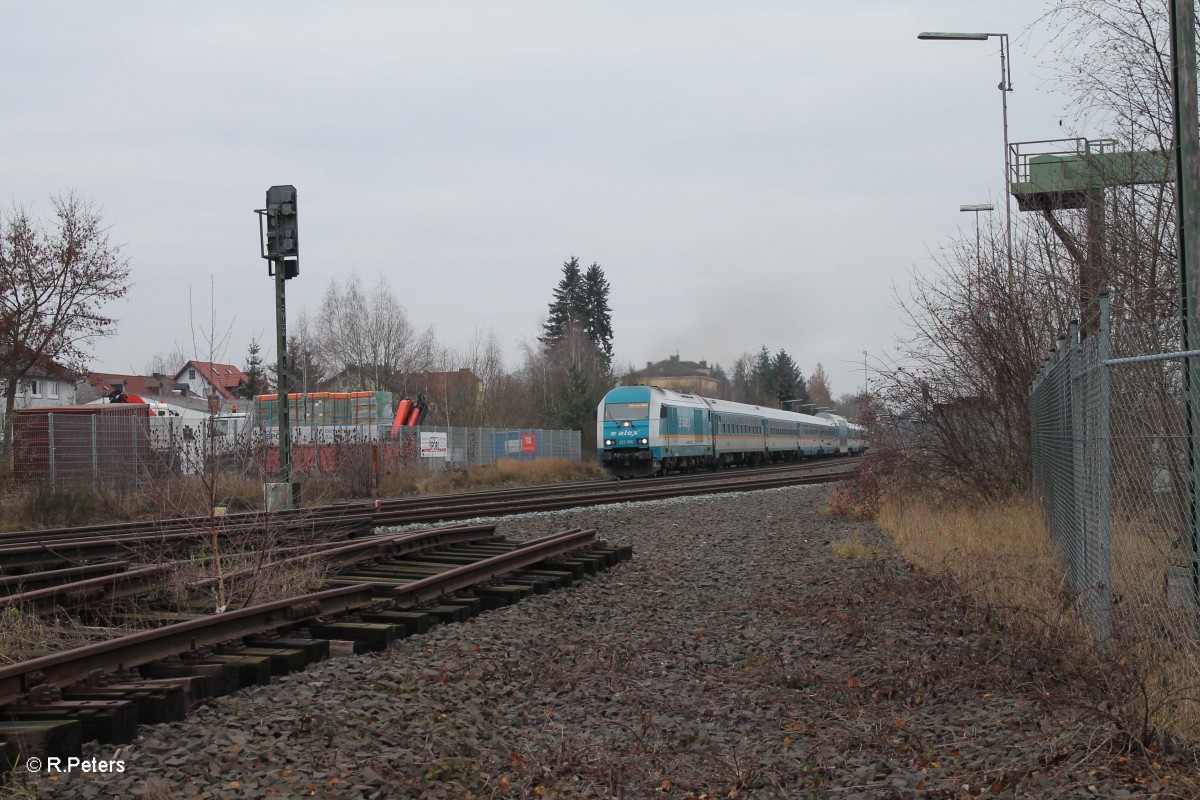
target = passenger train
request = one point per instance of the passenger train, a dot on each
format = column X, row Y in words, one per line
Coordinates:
column 645, row 430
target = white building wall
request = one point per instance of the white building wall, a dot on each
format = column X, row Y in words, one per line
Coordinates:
column 196, row 383
column 38, row 392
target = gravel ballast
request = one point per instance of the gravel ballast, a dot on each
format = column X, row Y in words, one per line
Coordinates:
column 735, row 656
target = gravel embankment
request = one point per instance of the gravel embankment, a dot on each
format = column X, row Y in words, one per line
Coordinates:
column 735, row 656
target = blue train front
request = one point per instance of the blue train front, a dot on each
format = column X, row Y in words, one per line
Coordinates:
column 644, row 430
column 623, row 433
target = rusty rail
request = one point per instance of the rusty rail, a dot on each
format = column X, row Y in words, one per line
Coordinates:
column 435, row 586
column 126, row 652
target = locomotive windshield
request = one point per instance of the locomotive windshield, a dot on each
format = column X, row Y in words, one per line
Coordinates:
column 619, row 412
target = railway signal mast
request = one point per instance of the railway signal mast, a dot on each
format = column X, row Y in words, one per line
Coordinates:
column 281, row 249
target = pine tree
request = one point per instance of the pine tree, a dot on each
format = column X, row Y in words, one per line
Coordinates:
column 256, row 373
column 576, row 403
column 597, row 314
column 764, row 377
column 568, row 308
column 788, row 382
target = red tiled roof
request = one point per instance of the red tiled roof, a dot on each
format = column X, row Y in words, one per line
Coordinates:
column 47, row 367
column 141, row 385
column 224, row 377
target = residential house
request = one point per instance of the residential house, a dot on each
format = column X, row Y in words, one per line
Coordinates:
column 46, row 385
column 212, row 380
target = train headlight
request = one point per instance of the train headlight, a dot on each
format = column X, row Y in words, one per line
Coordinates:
column 608, row 442
column 643, row 441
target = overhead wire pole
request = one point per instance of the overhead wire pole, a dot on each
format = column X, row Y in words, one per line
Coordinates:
column 1187, row 193
column 1005, row 87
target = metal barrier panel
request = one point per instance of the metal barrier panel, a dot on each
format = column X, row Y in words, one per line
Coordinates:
column 104, row 451
column 94, row 451
column 474, row 446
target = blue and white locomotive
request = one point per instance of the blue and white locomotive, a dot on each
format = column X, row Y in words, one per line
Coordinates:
column 645, row 430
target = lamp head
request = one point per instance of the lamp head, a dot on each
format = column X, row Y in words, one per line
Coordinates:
column 954, row 37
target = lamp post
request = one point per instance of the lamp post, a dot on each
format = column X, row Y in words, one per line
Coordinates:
column 1005, row 86
column 977, row 207
column 864, row 375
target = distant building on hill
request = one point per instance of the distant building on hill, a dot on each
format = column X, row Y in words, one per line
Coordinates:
column 682, row 376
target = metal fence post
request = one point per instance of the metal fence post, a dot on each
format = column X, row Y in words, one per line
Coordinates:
column 95, row 456
column 1073, row 378
column 133, row 431
column 50, row 442
column 1103, row 621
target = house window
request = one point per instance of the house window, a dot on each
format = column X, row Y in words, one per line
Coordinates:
column 191, row 374
column 52, row 390
column 35, row 389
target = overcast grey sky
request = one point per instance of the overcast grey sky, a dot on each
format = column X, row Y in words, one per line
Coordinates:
column 746, row 173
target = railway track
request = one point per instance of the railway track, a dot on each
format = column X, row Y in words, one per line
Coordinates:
column 386, row 587
column 380, row 586
column 410, row 507
column 45, row 557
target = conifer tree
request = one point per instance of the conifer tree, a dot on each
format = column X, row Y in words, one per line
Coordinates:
column 598, row 315
column 256, row 373
column 764, row 377
column 568, row 308
column 788, row 382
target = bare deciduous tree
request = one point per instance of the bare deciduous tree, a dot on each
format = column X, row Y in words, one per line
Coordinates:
column 818, row 388
column 55, row 281
column 167, row 362
column 369, row 337
column 954, row 404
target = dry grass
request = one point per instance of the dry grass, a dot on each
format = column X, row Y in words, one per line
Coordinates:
column 1002, row 556
column 44, row 506
column 507, row 473
column 24, row 636
column 251, row 578
column 853, row 546
column 1000, row 553
column 189, row 495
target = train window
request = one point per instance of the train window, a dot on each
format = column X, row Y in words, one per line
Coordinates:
column 618, row 412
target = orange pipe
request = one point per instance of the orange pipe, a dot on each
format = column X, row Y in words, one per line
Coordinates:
column 402, row 411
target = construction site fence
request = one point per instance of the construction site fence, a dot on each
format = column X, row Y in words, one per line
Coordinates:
column 103, row 452
column 1114, row 470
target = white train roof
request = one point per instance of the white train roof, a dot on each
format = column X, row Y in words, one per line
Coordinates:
column 730, row 407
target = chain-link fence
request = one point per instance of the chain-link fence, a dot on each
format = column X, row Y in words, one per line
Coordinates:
column 110, row 448
column 1110, row 454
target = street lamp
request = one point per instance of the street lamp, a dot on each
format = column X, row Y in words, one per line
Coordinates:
column 864, row 374
column 977, row 207
column 1005, row 86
